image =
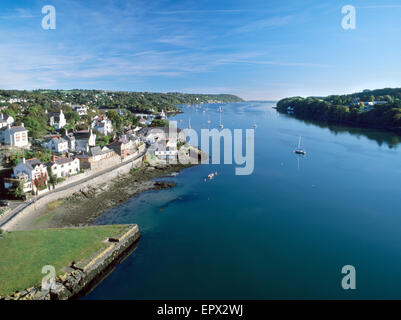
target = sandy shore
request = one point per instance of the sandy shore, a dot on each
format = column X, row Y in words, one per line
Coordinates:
column 82, row 208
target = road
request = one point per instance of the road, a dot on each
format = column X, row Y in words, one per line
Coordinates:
column 21, row 207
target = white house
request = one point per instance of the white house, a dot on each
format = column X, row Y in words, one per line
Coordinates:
column 56, row 119
column 69, row 137
column 82, row 110
column 103, row 125
column 16, row 136
column 6, row 120
column 84, row 140
column 32, row 172
column 56, row 144
column 64, row 166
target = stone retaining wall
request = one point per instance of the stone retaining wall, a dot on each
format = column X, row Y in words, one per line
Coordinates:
column 83, row 276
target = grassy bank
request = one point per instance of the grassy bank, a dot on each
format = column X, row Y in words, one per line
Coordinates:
column 24, row 253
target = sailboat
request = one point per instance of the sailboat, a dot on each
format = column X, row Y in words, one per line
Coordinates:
column 221, row 125
column 254, row 125
column 189, row 123
column 299, row 149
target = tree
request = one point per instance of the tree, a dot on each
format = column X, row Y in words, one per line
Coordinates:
column 52, row 178
column 17, row 190
column 72, row 118
column 116, row 119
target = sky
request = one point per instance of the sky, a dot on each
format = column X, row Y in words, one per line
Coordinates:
column 268, row 49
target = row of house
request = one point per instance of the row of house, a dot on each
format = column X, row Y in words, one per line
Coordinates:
column 79, row 141
column 33, row 174
column 162, row 143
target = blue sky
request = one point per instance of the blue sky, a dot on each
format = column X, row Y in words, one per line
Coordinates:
column 256, row 49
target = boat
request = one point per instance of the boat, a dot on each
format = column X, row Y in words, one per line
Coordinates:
column 299, row 150
column 189, row 124
column 255, row 125
column 221, row 125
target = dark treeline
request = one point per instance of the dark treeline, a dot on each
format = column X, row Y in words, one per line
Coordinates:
column 375, row 109
column 136, row 101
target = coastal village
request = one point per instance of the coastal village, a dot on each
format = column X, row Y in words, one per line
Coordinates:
column 66, row 148
column 73, row 151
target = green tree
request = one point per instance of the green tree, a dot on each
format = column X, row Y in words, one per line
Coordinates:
column 17, row 190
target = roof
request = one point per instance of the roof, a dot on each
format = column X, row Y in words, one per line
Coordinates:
column 95, row 151
column 56, row 140
column 147, row 130
column 31, row 163
column 18, row 129
column 62, row 160
column 80, row 135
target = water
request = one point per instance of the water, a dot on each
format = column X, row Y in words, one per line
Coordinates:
column 283, row 232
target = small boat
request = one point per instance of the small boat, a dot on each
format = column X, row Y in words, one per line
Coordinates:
column 299, row 149
column 221, row 124
column 255, row 125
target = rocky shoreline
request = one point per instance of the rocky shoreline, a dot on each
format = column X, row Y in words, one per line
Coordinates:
column 83, row 207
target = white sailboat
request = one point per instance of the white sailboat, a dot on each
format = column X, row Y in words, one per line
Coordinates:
column 189, row 123
column 221, row 124
column 254, row 124
column 299, row 149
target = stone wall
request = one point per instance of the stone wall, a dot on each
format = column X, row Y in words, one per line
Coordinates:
column 85, row 275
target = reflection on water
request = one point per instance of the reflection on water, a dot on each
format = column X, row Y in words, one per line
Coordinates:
column 381, row 137
column 283, row 232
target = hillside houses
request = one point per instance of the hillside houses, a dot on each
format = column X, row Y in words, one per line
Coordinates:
column 63, row 167
column 124, row 147
column 6, row 120
column 98, row 158
column 103, row 125
column 84, row 140
column 15, row 136
column 82, row 110
column 70, row 138
column 56, row 119
column 32, row 173
column 56, row 144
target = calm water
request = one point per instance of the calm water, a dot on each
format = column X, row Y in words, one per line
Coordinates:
column 283, row 232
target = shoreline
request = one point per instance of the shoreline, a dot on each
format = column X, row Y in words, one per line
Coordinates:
column 82, row 208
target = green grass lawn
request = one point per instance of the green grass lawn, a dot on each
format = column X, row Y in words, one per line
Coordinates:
column 24, row 253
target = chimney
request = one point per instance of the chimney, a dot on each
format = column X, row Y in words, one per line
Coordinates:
column 66, row 132
column 22, row 124
column 53, row 159
column 68, row 155
column 23, row 160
